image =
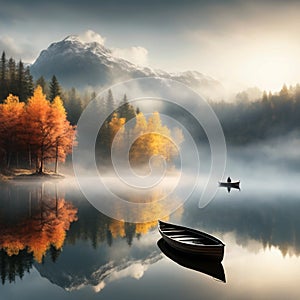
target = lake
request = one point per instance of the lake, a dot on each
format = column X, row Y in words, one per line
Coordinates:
column 56, row 245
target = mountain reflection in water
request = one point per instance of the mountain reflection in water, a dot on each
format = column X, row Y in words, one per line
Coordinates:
column 51, row 229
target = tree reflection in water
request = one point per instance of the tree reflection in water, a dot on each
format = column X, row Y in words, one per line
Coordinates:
column 30, row 230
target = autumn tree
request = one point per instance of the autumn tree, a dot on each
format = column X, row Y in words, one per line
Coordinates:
column 11, row 117
column 139, row 146
column 115, row 125
column 64, row 131
column 153, row 139
column 51, row 133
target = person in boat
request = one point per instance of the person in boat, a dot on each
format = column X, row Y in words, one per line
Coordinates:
column 228, row 179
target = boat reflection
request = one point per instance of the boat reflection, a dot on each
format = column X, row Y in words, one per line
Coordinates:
column 194, row 262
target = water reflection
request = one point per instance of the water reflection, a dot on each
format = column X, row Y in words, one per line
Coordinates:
column 49, row 226
column 32, row 222
column 269, row 219
column 194, row 262
column 51, row 229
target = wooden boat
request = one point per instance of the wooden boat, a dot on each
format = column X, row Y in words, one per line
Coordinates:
column 197, row 263
column 233, row 184
column 191, row 241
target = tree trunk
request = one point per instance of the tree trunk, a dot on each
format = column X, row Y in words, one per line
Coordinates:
column 56, row 158
column 8, row 160
column 41, row 170
column 56, row 201
column 36, row 163
column 29, row 156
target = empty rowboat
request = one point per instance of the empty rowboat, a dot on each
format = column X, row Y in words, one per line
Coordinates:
column 191, row 241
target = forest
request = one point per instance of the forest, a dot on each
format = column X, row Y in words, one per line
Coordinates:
column 38, row 121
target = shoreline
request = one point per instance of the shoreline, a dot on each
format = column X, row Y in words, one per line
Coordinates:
column 25, row 174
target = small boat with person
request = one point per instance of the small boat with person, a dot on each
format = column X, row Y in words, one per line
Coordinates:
column 230, row 184
column 191, row 241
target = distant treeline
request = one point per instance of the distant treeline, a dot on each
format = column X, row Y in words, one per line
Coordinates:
column 271, row 116
column 243, row 120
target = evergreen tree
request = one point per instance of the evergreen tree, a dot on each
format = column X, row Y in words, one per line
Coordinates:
column 72, row 103
column 3, row 78
column 3, row 67
column 110, row 104
column 21, row 82
column 43, row 84
column 265, row 96
column 55, row 89
column 284, row 93
column 12, row 76
column 126, row 110
column 29, row 87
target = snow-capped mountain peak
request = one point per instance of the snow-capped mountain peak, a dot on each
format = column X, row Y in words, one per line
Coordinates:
column 80, row 61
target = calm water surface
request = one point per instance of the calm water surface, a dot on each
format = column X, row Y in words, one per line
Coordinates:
column 54, row 244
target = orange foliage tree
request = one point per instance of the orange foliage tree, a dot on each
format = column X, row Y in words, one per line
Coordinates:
column 40, row 129
column 64, row 134
column 46, row 227
column 11, row 113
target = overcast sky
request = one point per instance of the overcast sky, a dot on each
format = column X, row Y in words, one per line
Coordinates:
column 241, row 43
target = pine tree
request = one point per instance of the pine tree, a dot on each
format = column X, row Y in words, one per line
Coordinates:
column 284, row 93
column 21, row 82
column 55, row 89
column 3, row 77
column 110, row 104
column 29, row 84
column 126, row 110
column 72, row 103
column 265, row 96
column 43, row 84
column 12, row 76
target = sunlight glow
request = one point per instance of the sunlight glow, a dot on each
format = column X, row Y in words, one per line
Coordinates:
column 269, row 69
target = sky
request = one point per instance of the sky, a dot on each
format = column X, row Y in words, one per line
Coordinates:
column 238, row 42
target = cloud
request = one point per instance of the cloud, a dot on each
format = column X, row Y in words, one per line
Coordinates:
column 99, row 287
column 17, row 49
column 90, row 36
column 136, row 54
column 10, row 47
column 136, row 270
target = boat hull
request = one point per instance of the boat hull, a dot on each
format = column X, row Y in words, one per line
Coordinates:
column 235, row 184
column 211, row 248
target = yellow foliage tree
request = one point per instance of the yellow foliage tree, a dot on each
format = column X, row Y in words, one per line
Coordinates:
column 154, row 139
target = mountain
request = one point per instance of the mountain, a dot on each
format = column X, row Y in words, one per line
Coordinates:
column 80, row 64
column 97, row 268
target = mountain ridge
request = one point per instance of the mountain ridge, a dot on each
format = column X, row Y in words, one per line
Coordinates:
column 77, row 63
